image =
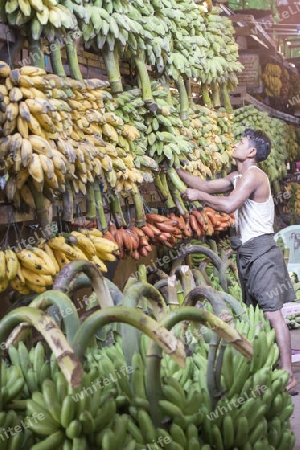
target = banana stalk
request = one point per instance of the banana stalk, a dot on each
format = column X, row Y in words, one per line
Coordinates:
column 111, row 60
column 215, row 94
column 142, row 277
column 183, row 99
column 153, row 380
column 163, row 190
column 226, row 99
column 163, row 338
column 115, row 208
column 72, row 269
column 68, row 202
column 90, row 202
column 66, row 358
column 140, row 219
column 65, row 306
column 56, row 61
column 144, row 79
column 205, row 96
column 82, row 282
column 99, row 207
column 71, row 50
column 217, row 262
column 42, row 211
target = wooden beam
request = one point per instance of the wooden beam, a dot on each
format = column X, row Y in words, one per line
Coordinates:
column 7, row 34
column 243, row 31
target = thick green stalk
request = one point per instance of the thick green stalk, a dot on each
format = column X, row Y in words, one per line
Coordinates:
column 183, row 99
column 154, row 353
column 71, row 50
column 205, row 96
column 160, row 183
column 42, row 209
column 186, row 278
column 66, row 308
column 217, row 262
column 65, row 356
column 35, row 52
column 172, row 293
column 142, row 277
column 71, row 270
column 99, row 207
column 115, row 208
column 140, row 218
column 111, row 60
column 56, row 61
column 144, row 78
column 135, row 318
column 215, row 94
column 68, row 203
column 131, row 336
column 90, row 202
column 198, row 277
column 226, row 99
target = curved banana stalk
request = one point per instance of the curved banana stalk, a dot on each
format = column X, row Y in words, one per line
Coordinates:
column 153, row 381
column 68, row 272
column 82, row 281
column 217, row 262
column 162, row 337
column 131, row 299
column 66, row 309
column 66, row 358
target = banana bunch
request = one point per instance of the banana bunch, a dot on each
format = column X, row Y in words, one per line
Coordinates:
column 293, row 204
column 34, row 268
column 282, row 135
column 293, row 320
column 271, row 77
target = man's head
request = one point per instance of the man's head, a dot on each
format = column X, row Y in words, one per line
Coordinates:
column 259, row 141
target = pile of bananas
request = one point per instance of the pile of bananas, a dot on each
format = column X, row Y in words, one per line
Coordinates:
column 293, row 204
column 282, row 135
column 293, row 321
column 53, row 130
column 271, row 77
column 111, row 407
column 34, row 268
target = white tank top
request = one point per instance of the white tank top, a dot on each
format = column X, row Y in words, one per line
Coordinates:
column 253, row 219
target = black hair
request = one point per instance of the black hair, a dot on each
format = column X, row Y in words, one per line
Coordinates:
column 260, row 142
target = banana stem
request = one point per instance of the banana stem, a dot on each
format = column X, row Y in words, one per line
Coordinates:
column 186, row 279
column 35, row 52
column 215, row 94
column 163, row 338
column 198, row 277
column 70, row 271
column 217, row 262
column 140, row 218
column 226, row 99
column 99, row 207
column 66, row 309
column 90, row 202
column 82, row 282
column 131, row 336
column 205, row 96
column 68, row 203
column 65, row 356
column 169, row 201
column 56, row 61
column 72, row 56
column 115, row 208
column 42, row 211
column 154, row 353
column 210, row 373
column 111, row 60
column 142, row 277
column 163, row 192
column 144, row 78
column 183, row 99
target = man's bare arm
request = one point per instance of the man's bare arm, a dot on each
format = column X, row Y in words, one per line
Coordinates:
column 229, row 203
column 221, row 185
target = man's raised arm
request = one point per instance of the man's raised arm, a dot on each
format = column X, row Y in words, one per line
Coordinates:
column 221, row 185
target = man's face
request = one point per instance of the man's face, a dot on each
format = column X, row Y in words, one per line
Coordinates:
column 242, row 149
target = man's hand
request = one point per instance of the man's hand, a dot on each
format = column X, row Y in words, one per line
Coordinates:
column 191, row 195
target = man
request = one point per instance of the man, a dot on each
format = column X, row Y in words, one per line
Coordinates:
column 263, row 273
